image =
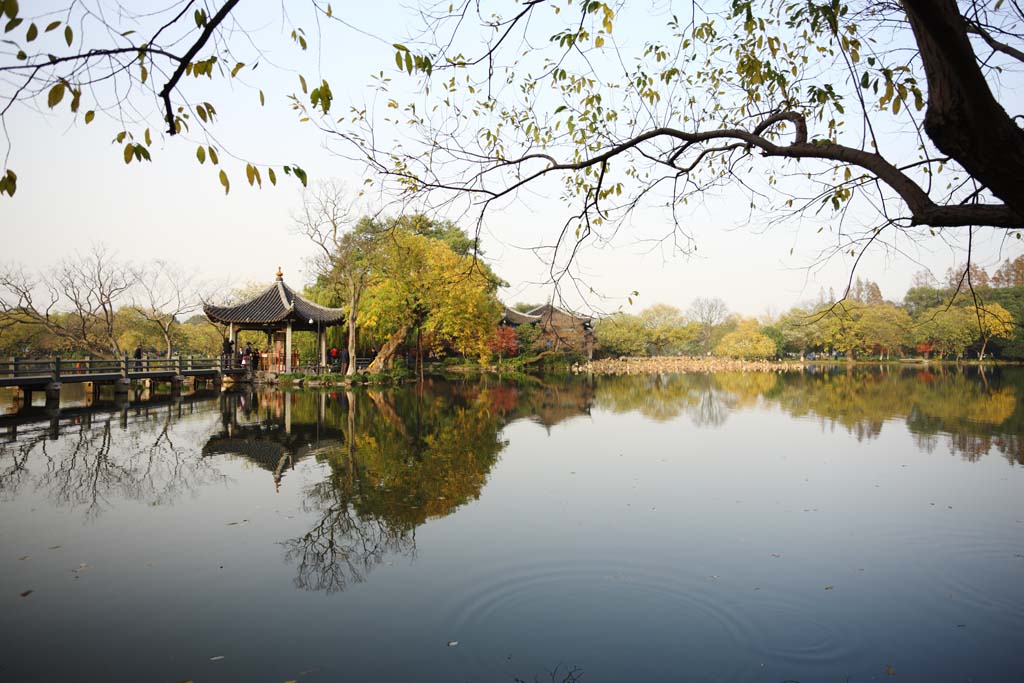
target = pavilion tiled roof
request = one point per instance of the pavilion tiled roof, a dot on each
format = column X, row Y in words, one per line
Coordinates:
column 276, row 305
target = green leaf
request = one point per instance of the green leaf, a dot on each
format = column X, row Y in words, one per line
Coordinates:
column 55, row 95
column 32, row 33
column 214, row 159
column 129, row 152
column 89, row 116
column 408, row 62
column 12, row 24
column 11, row 8
column 250, row 173
column 261, row 98
column 238, row 67
column 273, row 178
column 201, row 154
column 202, row 113
column 224, row 181
column 149, row 140
column 69, row 35
column 51, row 26
column 302, row 82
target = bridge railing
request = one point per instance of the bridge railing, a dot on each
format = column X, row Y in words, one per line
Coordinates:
column 16, row 367
column 56, row 368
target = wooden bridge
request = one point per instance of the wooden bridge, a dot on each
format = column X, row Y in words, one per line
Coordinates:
column 49, row 375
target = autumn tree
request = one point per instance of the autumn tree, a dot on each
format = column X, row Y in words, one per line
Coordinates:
column 424, row 286
column 345, row 249
column 993, row 321
column 1010, row 273
column 746, row 342
column 620, row 334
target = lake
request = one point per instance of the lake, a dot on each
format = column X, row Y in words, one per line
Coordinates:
column 825, row 525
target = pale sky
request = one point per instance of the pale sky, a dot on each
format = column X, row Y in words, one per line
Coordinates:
column 74, row 190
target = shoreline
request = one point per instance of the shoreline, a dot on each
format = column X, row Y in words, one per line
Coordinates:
column 683, row 364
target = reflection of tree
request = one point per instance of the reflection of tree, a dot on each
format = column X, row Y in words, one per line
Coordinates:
column 343, row 546
column 407, row 457
column 92, row 463
column 973, row 411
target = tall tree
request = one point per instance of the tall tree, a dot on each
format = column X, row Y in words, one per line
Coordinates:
column 709, row 312
column 164, row 294
column 344, row 257
column 427, row 287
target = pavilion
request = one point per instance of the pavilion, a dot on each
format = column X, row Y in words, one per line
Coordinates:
column 279, row 311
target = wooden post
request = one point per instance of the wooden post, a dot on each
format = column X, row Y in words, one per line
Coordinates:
column 321, row 343
column 288, row 348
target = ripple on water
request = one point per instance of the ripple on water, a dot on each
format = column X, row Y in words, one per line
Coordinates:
column 648, row 614
column 978, row 571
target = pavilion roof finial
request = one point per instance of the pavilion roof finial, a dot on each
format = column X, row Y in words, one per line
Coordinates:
column 280, row 275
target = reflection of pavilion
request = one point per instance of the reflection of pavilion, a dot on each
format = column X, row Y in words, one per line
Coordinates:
column 268, row 435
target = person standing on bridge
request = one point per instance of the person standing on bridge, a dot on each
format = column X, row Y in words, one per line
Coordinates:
column 138, row 357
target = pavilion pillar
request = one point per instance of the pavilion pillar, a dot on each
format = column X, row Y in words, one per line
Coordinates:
column 321, row 345
column 288, row 347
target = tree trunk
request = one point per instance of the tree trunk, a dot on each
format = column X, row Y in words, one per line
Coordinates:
column 353, row 304
column 388, row 351
column 984, row 343
column 963, row 118
column 167, row 341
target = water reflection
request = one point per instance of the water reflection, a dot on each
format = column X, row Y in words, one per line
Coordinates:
column 90, row 460
column 970, row 410
column 393, row 459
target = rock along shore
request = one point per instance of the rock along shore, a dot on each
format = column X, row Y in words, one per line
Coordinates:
column 656, row 364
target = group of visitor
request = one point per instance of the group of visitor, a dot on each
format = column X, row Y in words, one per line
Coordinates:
column 247, row 357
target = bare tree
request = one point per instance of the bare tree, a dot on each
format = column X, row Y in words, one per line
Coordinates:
column 709, row 312
column 342, row 262
column 78, row 299
column 164, row 293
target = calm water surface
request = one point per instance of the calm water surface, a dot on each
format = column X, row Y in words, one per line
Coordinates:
column 825, row 526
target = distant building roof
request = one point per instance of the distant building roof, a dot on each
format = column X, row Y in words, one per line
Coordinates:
column 548, row 309
column 511, row 316
column 275, row 307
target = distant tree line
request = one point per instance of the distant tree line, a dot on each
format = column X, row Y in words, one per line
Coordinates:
column 98, row 304
column 970, row 314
